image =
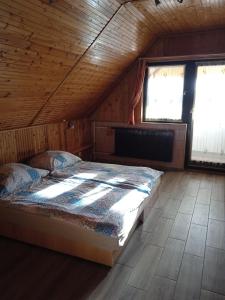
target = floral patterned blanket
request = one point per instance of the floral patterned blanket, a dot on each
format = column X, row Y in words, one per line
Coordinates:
column 102, row 197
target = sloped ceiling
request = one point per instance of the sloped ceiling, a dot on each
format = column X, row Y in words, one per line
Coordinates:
column 58, row 57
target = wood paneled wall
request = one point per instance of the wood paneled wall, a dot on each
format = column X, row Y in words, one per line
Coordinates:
column 114, row 108
column 17, row 145
column 79, row 139
column 203, row 44
column 208, row 44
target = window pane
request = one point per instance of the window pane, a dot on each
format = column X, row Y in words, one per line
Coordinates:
column 165, row 93
column 208, row 143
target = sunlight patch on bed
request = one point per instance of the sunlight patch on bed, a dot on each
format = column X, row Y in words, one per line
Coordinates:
column 116, row 180
column 128, row 222
column 85, row 175
column 135, row 199
column 58, row 189
column 95, row 194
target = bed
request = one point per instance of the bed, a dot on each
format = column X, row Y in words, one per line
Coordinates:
column 87, row 210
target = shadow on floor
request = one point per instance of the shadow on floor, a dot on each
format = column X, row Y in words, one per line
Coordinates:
column 30, row 272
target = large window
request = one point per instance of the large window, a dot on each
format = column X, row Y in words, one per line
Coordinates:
column 164, row 87
column 192, row 92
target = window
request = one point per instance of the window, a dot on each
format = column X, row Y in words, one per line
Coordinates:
column 208, row 142
column 192, row 92
column 164, row 87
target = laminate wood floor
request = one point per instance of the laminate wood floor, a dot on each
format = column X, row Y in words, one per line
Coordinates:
column 178, row 253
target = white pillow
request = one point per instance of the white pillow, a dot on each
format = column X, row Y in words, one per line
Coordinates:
column 53, row 160
column 15, row 176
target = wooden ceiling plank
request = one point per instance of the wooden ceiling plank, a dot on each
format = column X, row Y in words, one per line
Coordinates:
column 57, row 14
column 41, row 42
column 36, row 24
column 70, row 71
column 37, row 27
column 102, row 14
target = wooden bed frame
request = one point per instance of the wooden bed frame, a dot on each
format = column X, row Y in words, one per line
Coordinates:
column 57, row 234
column 47, row 231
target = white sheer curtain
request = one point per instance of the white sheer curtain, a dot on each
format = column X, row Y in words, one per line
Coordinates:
column 209, row 111
column 165, row 92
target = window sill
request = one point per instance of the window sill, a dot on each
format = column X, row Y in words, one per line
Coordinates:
column 163, row 121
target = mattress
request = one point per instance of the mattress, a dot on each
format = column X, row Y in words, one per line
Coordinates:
column 103, row 198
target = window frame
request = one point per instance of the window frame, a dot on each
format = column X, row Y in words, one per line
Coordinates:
column 145, row 88
column 188, row 97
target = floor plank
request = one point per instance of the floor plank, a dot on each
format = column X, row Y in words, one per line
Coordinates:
column 189, row 281
column 27, row 270
column 146, row 266
column 196, row 240
column 214, row 271
column 206, row 182
column 206, row 295
column 181, row 226
column 162, row 200
column 192, row 187
column 132, row 293
column 204, row 196
column 112, row 287
column 218, row 189
column 160, row 289
column 217, row 210
column 171, row 208
column 161, row 232
column 170, row 261
column 201, row 214
column 134, row 249
column 152, row 220
column 216, row 234
column 187, row 205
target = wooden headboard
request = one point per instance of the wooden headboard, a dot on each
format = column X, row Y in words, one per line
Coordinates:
column 17, row 145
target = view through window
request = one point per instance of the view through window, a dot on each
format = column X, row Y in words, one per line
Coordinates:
column 164, row 93
column 208, row 142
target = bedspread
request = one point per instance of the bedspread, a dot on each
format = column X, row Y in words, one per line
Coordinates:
column 100, row 198
column 127, row 177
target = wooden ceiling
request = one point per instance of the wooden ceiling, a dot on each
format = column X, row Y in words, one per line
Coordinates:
column 58, row 57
